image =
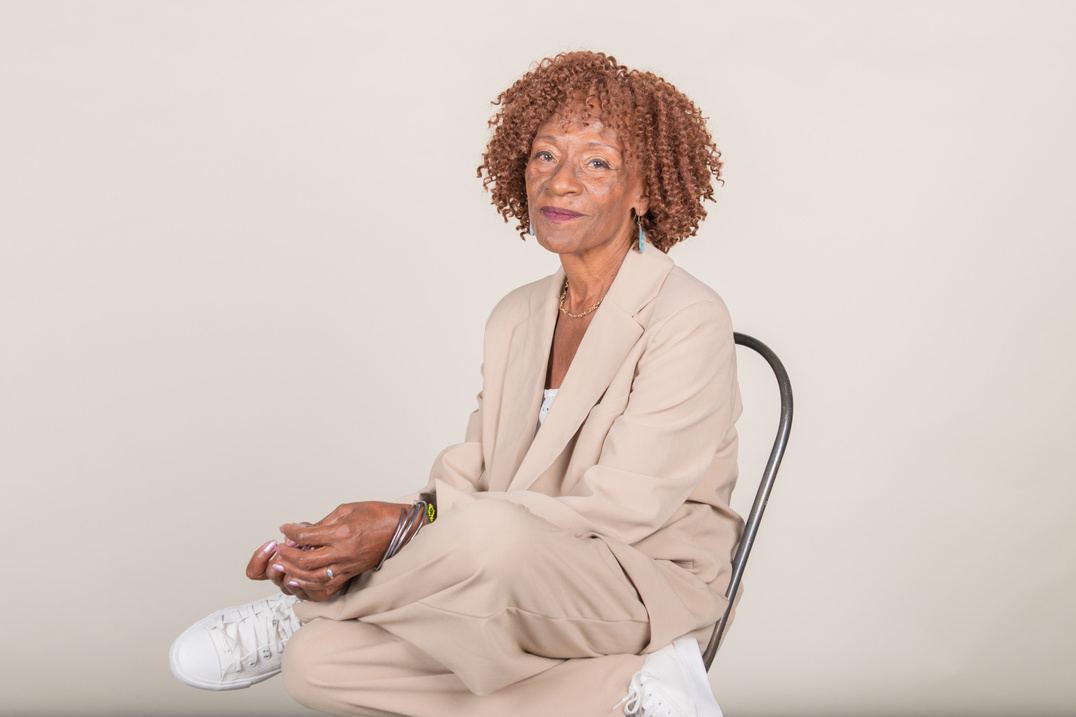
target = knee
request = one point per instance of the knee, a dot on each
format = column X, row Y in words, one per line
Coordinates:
column 339, row 667
column 498, row 536
column 303, row 668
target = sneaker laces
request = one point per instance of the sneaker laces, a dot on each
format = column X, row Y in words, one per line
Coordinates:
column 641, row 700
column 633, row 701
column 252, row 631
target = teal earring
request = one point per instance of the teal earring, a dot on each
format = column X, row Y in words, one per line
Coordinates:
column 642, row 234
column 532, row 229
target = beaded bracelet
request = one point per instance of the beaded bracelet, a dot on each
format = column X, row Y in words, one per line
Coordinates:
column 430, row 499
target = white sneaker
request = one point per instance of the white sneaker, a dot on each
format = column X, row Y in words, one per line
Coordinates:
column 672, row 683
column 235, row 647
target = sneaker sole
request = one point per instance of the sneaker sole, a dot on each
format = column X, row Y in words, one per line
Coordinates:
column 201, row 684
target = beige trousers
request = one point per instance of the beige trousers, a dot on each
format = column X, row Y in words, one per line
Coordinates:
column 489, row 610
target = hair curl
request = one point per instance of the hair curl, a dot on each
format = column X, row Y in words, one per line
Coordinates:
column 663, row 132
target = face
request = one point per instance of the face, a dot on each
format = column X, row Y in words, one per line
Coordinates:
column 580, row 191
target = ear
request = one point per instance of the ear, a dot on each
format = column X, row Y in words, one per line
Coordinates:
column 640, row 196
column 642, row 200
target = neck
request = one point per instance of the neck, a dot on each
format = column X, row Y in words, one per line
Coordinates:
column 589, row 277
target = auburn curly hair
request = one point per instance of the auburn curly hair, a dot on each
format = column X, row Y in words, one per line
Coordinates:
column 663, row 133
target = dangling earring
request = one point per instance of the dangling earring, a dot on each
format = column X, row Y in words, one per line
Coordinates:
column 532, row 229
column 642, row 233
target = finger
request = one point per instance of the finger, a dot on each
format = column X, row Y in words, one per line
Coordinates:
column 281, row 580
column 314, row 569
column 306, row 534
column 260, row 561
column 297, row 592
column 317, row 578
column 309, row 559
column 278, row 577
column 316, row 587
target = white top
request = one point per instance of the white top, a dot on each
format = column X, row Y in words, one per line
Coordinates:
column 547, row 402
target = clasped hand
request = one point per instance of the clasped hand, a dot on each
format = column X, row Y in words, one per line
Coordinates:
column 316, row 561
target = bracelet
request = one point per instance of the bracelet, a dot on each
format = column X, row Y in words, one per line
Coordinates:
column 397, row 538
column 406, row 528
column 430, row 499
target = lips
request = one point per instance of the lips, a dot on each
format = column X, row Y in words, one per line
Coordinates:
column 555, row 214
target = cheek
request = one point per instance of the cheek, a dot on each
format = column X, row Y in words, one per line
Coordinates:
column 533, row 182
column 608, row 189
column 610, row 198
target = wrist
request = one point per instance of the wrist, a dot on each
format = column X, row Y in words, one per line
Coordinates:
column 411, row 520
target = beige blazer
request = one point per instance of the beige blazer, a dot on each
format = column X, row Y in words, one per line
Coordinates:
column 639, row 447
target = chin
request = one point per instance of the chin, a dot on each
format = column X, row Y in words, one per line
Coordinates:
column 557, row 247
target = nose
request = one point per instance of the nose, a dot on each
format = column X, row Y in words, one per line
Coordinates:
column 564, row 179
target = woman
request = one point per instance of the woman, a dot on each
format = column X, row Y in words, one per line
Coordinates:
column 582, row 534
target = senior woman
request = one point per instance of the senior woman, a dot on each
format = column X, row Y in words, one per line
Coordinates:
column 576, row 546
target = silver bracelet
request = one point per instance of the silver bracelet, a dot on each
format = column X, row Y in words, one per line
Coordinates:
column 405, row 530
column 394, row 543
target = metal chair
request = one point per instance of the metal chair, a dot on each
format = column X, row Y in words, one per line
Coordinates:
column 763, row 494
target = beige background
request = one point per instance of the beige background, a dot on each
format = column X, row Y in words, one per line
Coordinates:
column 243, row 252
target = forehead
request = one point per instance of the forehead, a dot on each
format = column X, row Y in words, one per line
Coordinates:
column 579, row 126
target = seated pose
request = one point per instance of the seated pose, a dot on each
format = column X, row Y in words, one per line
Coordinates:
column 574, row 550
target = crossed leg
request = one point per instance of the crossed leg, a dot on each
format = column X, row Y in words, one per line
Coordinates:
column 490, row 610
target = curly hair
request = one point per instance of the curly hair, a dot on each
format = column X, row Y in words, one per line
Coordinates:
column 663, row 133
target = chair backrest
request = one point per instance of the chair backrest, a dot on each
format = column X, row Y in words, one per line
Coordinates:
column 764, row 488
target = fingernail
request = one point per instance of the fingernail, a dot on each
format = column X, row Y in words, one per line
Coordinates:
column 277, row 566
column 270, row 546
column 294, row 584
column 291, row 543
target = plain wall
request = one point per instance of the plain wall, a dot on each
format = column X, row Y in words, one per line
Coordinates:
column 245, row 265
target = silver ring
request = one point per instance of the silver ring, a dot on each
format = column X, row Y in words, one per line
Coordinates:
column 330, row 572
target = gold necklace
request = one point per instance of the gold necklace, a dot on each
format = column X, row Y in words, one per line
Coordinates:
column 570, row 315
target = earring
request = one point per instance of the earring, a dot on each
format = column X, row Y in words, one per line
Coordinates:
column 532, row 229
column 642, row 234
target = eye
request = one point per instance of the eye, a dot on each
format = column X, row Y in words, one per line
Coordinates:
column 597, row 163
column 544, row 155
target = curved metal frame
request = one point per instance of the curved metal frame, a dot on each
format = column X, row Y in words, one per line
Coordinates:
column 763, row 494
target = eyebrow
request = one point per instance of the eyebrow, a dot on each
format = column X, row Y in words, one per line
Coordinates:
column 592, row 143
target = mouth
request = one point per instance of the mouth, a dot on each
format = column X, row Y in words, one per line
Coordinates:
column 555, row 214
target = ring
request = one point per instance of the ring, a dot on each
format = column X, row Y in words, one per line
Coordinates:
column 330, row 572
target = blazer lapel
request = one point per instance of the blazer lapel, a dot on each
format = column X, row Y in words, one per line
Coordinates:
column 609, row 338
column 524, row 379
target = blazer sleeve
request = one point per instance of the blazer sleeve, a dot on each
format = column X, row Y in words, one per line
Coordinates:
column 674, row 441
